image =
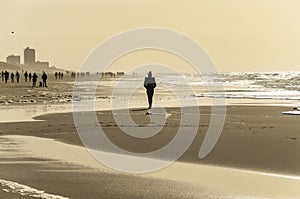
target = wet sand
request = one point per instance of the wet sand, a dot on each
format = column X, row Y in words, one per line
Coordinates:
column 258, row 138
column 75, row 181
column 254, row 138
column 73, row 173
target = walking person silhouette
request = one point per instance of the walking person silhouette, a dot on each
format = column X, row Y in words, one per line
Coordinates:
column 150, row 84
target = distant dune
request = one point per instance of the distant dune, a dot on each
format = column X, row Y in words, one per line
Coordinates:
column 21, row 67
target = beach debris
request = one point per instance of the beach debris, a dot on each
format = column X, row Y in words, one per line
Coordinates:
column 291, row 138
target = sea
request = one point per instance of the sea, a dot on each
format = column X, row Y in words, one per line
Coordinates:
column 280, row 88
column 267, row 88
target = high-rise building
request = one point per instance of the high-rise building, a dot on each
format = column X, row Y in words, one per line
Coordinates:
column 29, row 56
column 13, row 59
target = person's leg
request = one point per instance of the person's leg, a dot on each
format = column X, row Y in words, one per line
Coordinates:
column 149, row 99
column 150, row 102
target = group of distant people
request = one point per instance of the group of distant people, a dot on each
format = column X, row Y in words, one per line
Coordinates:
column 80, row 74
column 102, row 74
column 27, row 76
column 59, row 75
column 5, row 76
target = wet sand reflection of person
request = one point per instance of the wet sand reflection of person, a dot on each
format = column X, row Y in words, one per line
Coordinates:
column 150, row 84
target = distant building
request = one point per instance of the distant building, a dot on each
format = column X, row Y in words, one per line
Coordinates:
column 29, row 59
column 42, row 64
column 13, row 59
column 29, row 56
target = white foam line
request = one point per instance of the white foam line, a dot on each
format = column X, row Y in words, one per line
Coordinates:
column 292, row 112
column 24, row 190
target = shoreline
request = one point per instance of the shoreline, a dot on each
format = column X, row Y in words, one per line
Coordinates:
column 211, row 179
column 246, row 141
column 256, row 155
column 32, row 110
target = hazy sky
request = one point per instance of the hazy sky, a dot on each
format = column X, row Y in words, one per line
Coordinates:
column 239, row 35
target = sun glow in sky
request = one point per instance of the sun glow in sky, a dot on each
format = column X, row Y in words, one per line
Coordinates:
column 239, row 35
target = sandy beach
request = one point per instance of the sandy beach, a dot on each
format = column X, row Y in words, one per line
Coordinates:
column 254, row 139
column 149, row 99
column 43, row 156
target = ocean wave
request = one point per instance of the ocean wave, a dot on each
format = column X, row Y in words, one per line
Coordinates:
column 278, row 95
column 24, row 190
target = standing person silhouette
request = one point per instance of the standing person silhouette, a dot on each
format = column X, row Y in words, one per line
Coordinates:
column 150, row 84
column 12, row 77
column 30, row 77
column 6, row 76
column 2, row 75
column 34, row 79
column 26, row 76
column 18, row 76
column 44, row 78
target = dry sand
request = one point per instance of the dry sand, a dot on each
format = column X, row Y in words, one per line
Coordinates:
column 22, row 93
